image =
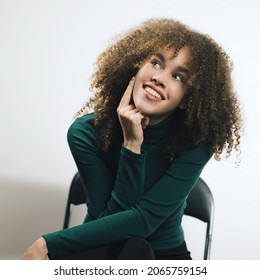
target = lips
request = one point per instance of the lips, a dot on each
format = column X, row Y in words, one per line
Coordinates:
column 154, row 91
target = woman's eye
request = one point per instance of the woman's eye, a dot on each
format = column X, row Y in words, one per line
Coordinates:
column 156, row 64
column 178, row 77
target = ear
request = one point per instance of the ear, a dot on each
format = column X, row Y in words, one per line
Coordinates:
column 183, row 105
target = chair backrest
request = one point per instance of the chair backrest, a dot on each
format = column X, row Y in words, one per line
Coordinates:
column 200, row 205
column 76, row 196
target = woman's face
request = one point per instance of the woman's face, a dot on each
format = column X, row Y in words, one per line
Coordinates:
column 161, row 83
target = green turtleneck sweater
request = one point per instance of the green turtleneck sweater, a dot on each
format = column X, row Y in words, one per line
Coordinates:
column 129, row 194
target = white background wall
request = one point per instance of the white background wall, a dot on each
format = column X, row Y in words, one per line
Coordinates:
column 46, row 54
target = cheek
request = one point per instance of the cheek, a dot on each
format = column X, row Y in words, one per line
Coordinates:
column 139, row 74
column 139, row 80
column 177, row 91
column 135, row 95
column 143, row 72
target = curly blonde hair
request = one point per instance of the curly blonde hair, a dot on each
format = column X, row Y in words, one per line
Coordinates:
column 213, row 110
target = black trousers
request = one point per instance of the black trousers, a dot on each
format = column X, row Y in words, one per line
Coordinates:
column 135, row 248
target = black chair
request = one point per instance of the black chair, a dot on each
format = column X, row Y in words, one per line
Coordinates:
column 76, row 196
column 200, row 205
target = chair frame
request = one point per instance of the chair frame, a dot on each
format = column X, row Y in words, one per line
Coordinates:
column 200, row 205
column 76, row 196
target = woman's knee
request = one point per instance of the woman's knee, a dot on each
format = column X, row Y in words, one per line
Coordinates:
column 137, row 248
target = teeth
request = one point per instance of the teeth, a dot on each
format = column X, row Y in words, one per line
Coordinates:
column 153, row 92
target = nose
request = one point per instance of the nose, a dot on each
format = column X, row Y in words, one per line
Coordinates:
column 157, row 80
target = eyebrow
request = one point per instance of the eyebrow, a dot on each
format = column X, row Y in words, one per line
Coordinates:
column 160, row 56
column 184, row 70
column 179, row 68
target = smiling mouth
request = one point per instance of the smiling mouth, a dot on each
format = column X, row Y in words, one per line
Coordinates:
column 153, row 92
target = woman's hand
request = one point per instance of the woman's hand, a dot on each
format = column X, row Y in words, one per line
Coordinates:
column 132, row 121
column 37, row 251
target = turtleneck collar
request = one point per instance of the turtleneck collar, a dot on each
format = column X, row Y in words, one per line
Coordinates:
column 155, row 133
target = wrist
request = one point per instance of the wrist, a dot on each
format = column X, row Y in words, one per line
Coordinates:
column 42, row 245
column 133, row 147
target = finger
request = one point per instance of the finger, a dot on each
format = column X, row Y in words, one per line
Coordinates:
column 125, row 100
column 137, row 117
column 122, row 110
column 130, row 114
column 145, row 122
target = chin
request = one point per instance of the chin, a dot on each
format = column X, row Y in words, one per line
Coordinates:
column 141, row 109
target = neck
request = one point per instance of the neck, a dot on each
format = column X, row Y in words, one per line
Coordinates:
column 157, row 120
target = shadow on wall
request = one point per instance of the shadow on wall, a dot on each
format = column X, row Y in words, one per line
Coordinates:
column 28, row 210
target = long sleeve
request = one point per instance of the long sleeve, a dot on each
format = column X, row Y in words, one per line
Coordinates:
column 165, row 199
column 105, row 194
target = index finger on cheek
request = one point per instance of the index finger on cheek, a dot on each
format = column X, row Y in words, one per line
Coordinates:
column 125, row 100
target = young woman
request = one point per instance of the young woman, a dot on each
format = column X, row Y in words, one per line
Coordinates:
column 163, row 105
